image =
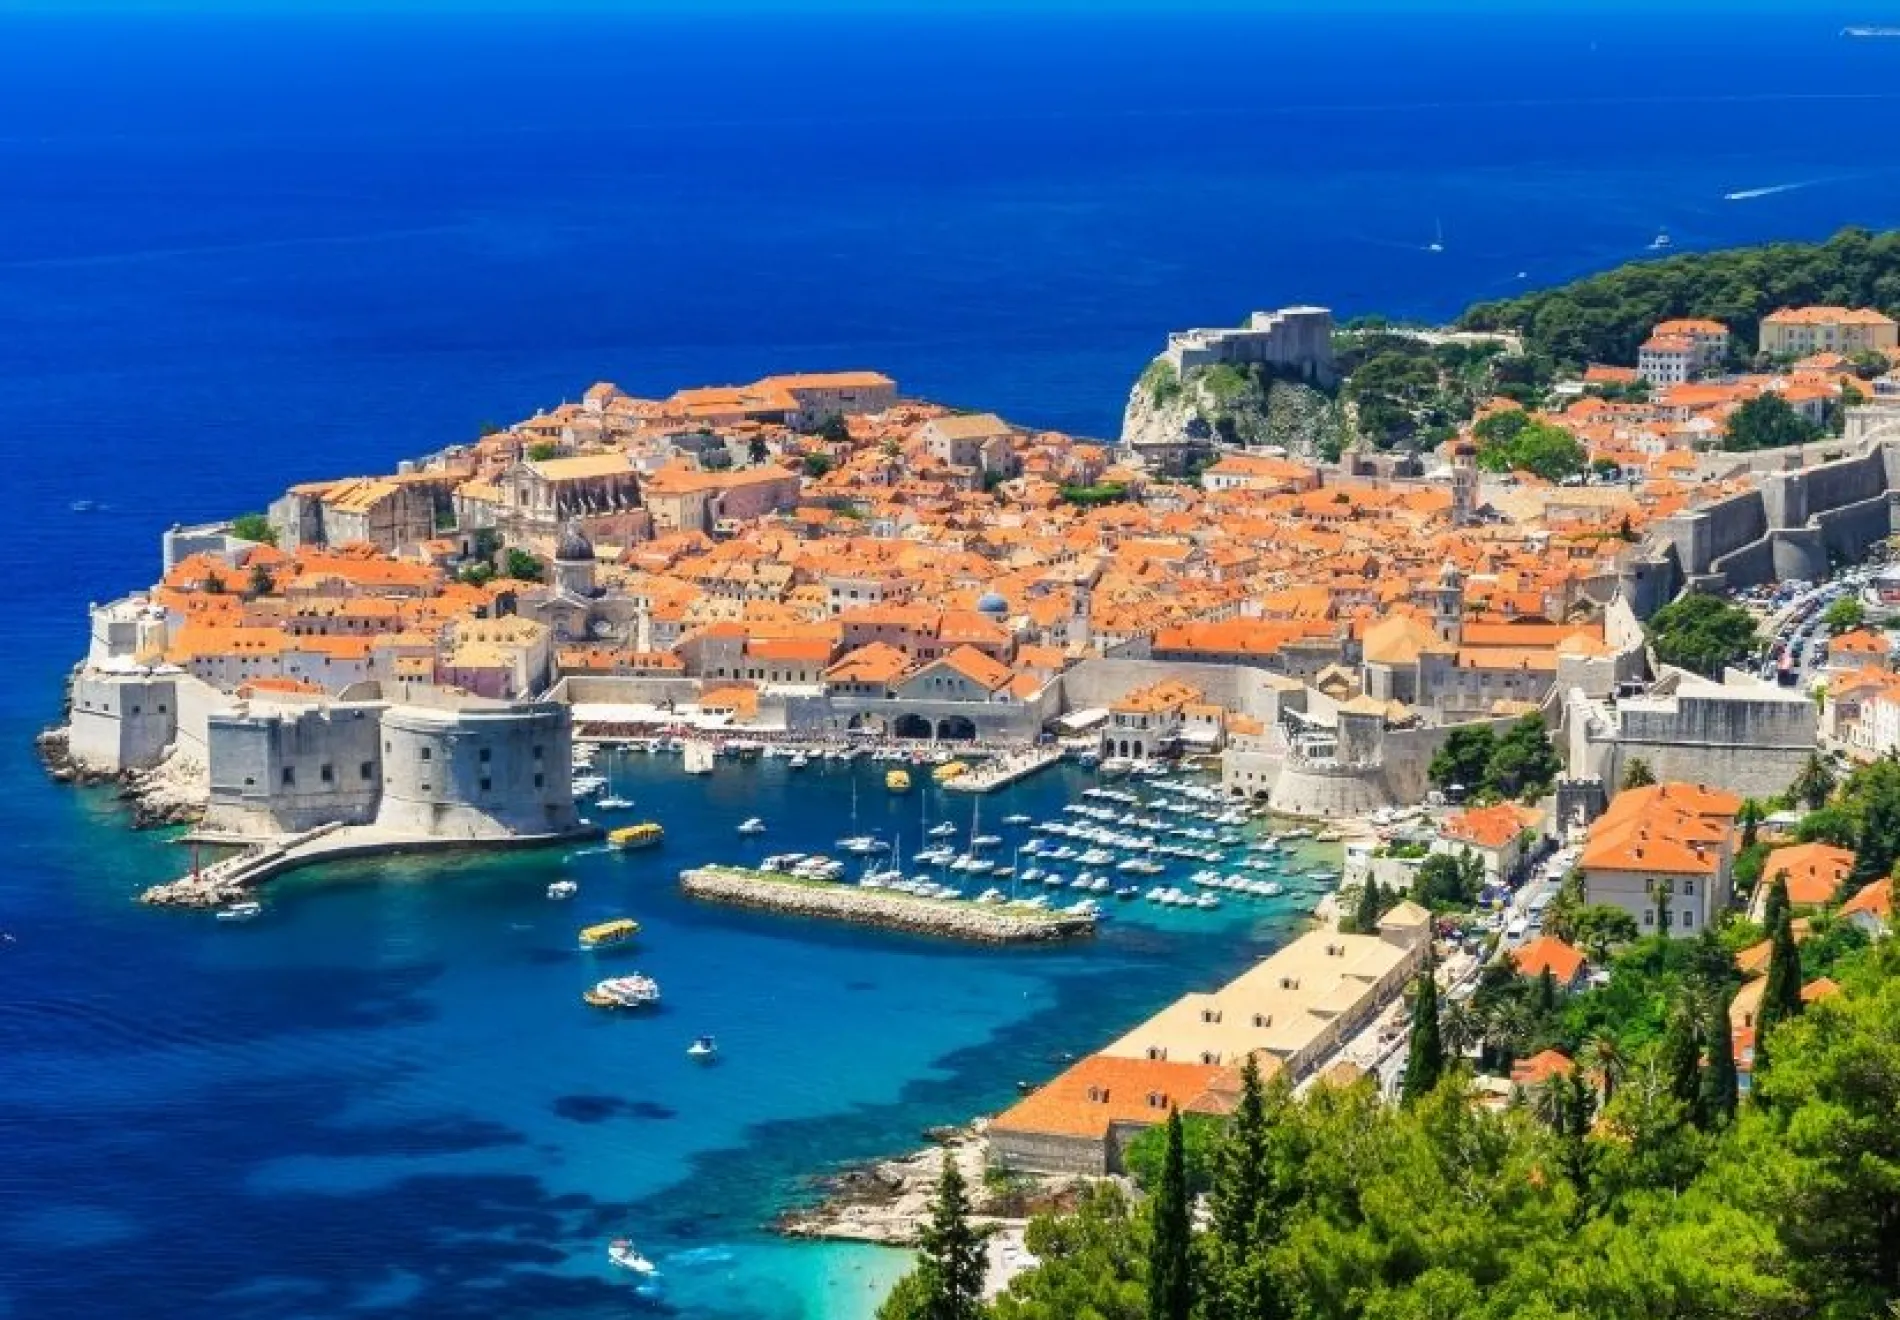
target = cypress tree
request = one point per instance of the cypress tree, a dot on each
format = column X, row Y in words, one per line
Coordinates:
column 1720, row 1091
column 1245, row 1205
column 1546, row 1000
column 1751, row 823
column 1365, row 919
column 1681, row 1056
column 1170, row 1283
column 1775, row 906
column 1425, row 1054
column 953, row 1261
column 1781, row 994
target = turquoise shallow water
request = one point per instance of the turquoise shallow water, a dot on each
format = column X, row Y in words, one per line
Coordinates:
column 386, row 1093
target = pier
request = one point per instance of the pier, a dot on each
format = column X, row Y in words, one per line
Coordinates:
column 947, row 918
column 1005, row 770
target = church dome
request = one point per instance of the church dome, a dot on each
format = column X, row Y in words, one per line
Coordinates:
column 573, row 547
column 992, row 604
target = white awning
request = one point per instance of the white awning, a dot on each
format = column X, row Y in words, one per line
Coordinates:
column 1080, row 721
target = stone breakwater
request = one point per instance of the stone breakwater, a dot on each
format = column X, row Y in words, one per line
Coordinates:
column 870, row 907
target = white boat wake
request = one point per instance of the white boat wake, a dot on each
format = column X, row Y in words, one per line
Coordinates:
column 1750, row 194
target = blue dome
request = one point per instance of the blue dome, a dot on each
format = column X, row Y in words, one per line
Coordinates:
column 992, row 603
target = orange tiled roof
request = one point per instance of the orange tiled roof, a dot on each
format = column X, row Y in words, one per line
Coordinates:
column 1101, row 1091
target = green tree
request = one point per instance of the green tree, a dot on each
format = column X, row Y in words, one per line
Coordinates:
column 1844, row 615
column 1539, row 448
column 1701, row 633
column 1679, row 1058
column 1170, row 1246
column 542, row 450
column 835, row 429
column 517, row 563
column 816, row 465
column 757, row 450
column 948, row 1281
column 1146, row 1156
column 1637, row 774
column 1523, row 764
column 1814, row 784
column 1370, row 907
column 1461, row 759
column 1877, row 841
column 1425, row 1050
column 1090, row 1262
column 1749, row 818
column 1775, row 905
column 1247, row 1209
column 1781, row 992
column 1719, row 1093
column 253, row 527
column 1601, row 927
column 262, row 584
column 1447, row 882
column 1767, row 422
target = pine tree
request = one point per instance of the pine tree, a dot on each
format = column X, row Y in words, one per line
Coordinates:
column 1170, row 1279
column 953, row 1261
column 1425, row 1055
column 1720, row 1090
column 1781, row 993
column 1775, row 905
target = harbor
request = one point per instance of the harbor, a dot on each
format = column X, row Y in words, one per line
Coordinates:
column 917, row 915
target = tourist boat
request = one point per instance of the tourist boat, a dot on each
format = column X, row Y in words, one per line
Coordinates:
column 703, row 1047
column 646, row 834
column 627, row 1257
column 897, row 781
column 563, row 889
column 797, row 761
column 605, row 933
column 862, row 845
column 949, row 770
column 634, row 991
column 751, row 825
column 240, row 911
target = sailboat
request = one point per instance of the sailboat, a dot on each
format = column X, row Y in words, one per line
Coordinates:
column 854, row 842
column 1438, row 240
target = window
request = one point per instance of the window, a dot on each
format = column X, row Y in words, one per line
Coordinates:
column 1649, row 916
column 427, row 753
column 537, row 751
column 1098, row 1094
column 486, row 753
column 1156, row 1100
column 1210, row 1015
column 537, row 781
column 486, row 784
column 1157, row 1052
column 1688, row 919
column 1211, row 1058
column 367, row 770
column 1688, row 888
column 290, row 776
column 326, row 774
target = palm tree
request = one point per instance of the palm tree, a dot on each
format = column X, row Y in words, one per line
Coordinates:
column 1460, row 1027
column 1605, row 1057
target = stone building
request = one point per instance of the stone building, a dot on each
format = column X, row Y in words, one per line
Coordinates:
column 1296, row 338
column 539, row 497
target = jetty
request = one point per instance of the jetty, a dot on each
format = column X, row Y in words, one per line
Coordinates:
column 1005, row 770
column 947, row 918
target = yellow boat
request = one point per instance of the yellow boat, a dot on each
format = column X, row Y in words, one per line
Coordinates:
column 644, row 835
column 898, row 781
column 617, row 931
column 949, row 770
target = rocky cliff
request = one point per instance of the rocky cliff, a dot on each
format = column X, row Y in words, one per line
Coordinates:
column 1230, row 405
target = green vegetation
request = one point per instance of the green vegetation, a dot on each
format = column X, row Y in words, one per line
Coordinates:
column 1448, row 882
column 816, row 465
column 478, row 574
column 1844, row 615
column 1767, row 422
column 1406, row 391
column 1511, row 442
column 1425, row 1050
column 253, row 527
column 1637, row 774
column 1702, row 633
column 1106, row 493
column 1148, row 1152
column 516, row 563
column 1521, row 763
column 1603, row 318
column 757, row 450
column 948, row 1281
column 542, row 450
column 261, row 582
column 1171, row 1236
column 1161, row 382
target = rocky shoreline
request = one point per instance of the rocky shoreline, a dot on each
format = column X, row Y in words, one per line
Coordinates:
column 171, row 793
column 885, row 1202
column 924, row 916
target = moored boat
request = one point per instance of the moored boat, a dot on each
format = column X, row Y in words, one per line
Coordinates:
column 752, row 825
column 897, row 781
column 634, row 991
column 245, row 911
column 605, row 933
column 646, row 834
column 563, row 889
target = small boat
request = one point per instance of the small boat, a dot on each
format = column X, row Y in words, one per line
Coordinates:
column 704, row 1047
column 1017, row 819
column 240, row 911
column 798, row 761
column 605, row 933
column 563, row 889
column 627, row 1257
column 752, row 825
column 83, row 506
column 699, row 758
column 634, row 991
column 646, row 834
column 897, row 781
column 1127, row 892
column 1662, row 242
column 949, row 770
column 862, row 844
column 1438, row 237
column 941, row 830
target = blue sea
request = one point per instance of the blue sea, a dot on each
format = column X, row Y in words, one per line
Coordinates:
column 241, row 251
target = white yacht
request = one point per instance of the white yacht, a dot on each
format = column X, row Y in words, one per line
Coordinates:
column 752, row 825
column 240, row 911
column 798, row 761
column 941, row 830
column 563, row 889
column 626, row 1256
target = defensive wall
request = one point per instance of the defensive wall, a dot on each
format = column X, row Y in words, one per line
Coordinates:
column 1750, row 737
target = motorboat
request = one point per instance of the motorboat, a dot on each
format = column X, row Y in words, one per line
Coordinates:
column 624, row 1255
column 611, row 803
column 752, row 825
column 240, row 911
column 941, row 830
column 862, row 845
column 634, row 991
column 985, row 841
column 703, row 1047
column 647, row 834
column 797, row 761
column 563, row 889
column 897, row 781
column 605, row 933
column 1017, row 819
